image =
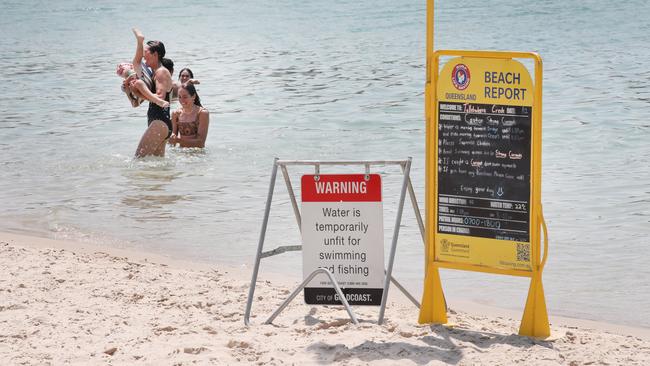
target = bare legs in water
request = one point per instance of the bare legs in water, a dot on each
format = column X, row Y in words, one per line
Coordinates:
column 153, row 140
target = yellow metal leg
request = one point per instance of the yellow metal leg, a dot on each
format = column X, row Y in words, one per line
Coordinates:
column 433, row 309
column 534, row 323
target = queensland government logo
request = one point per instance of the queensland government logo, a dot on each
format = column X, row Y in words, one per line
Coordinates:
column 445, row 245
column 460, row 76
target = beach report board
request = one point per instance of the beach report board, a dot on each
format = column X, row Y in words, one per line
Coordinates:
column 342, row 231
column 483, row 117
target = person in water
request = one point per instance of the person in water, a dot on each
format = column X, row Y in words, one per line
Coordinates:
column 185, row 76
column 169, row 65
column 136, row 80
column 190, row 122
column 138, row 90
column 159, row 125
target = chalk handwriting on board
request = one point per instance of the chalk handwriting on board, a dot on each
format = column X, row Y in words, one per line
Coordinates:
column 484, row 170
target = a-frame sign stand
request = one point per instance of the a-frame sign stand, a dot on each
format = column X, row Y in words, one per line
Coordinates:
column 282, row 164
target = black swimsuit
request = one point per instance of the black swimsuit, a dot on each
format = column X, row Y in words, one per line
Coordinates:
column 156, row 112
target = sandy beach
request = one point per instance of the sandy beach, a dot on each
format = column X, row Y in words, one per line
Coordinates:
column 72, row 303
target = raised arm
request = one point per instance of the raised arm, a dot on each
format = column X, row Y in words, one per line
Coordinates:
column 139, row 51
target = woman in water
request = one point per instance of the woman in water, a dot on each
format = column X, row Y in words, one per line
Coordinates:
column 185, row 76
column 190, row 122
column 159, row 125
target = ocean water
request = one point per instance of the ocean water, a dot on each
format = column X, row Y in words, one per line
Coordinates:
column 327, row 80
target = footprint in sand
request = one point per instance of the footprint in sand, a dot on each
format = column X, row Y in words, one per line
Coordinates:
column 194, row 350
column 334, row 323
column 238, row 344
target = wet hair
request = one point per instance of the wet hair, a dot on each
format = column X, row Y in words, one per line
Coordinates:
column 159, row 47
column 188, row 70
column 168, row 64
column 189, row 87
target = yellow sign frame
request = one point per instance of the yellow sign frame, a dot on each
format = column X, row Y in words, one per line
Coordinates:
column 433, row 310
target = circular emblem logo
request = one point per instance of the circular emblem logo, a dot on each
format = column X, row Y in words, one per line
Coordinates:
column 460, row 76
column 445, row 245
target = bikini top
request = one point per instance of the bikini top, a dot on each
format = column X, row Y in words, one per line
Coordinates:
column 189, row 128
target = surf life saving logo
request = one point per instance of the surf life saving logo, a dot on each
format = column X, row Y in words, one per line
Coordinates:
column 460, row 77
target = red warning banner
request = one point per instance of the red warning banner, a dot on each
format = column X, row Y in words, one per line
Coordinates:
column 341, row 188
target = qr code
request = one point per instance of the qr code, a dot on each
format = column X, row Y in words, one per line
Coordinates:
column 523, row 252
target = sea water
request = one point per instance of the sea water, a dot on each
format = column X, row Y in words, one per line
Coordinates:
column 327, row 80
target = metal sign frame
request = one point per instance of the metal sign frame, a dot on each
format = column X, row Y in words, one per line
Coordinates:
column 535, row 318
column 282, row 164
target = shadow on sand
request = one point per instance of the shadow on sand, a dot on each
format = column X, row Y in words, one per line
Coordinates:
column 442, row 344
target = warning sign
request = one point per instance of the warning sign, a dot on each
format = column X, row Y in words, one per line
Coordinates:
column 343, row 231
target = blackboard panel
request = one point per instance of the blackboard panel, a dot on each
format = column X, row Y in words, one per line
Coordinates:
column 484, row 170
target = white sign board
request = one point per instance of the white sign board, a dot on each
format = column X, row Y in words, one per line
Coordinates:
column 343, row 231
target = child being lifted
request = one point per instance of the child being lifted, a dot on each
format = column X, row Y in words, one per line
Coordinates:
column 137, row 77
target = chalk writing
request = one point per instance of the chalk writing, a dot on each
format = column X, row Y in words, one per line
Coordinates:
column 484, row 168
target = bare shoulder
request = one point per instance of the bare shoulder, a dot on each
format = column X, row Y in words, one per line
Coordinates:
column 176, row 112
column 204, row 112
column 163, row 73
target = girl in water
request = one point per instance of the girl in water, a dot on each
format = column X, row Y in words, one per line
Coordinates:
column 185, row 76
column 190, row 122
